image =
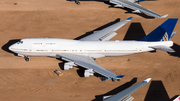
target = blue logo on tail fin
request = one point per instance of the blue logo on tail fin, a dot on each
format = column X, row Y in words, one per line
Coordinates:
column 163, row 32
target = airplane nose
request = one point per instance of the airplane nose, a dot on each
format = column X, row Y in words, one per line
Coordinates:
column 11, row 47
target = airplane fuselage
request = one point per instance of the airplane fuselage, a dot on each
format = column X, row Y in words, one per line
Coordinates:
column 95, row 49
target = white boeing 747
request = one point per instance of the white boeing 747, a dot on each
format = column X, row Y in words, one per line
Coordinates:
column 84, row 51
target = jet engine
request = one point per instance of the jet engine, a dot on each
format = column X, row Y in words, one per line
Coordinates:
column 20, row 55
column 88, row 73
column 68, row 65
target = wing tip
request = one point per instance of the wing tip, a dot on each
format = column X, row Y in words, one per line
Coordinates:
column 130, row 18
column 120, row 76
column 164, row 16
column 146, row 81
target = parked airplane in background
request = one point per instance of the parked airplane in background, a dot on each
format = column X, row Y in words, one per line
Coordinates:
column 125, row 95
column 134, row 5
column 97, row 45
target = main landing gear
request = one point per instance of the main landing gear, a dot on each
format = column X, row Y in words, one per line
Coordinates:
column 26, row 58
column 77, row 2
column 103, row 78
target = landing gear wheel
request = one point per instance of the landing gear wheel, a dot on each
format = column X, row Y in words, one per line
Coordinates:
column 26, row 58
column 113, row 80
column 118, row 80
column 78, row 3
column 103, row 78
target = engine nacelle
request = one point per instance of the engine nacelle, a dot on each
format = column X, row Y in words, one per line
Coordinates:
column 20, row 55
column 88, row 73
column 68, row 65
column 119, row 5
column 136, row 11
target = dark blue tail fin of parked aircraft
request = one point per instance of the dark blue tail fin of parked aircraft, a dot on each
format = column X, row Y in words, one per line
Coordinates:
column 162, row 33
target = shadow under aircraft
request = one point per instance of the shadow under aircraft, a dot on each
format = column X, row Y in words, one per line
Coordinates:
column 9, row 43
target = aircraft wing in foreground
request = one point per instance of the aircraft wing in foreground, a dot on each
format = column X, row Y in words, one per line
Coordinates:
column 89, row 64
column 125, row 95
column 136, row 7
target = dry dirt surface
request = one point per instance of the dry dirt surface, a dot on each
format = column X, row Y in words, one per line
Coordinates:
column 35, row 80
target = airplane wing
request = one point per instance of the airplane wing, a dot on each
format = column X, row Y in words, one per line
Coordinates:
column 138, row 8
column 106, row 33
column 90, row 64
column 163, row 48
column 125, row 95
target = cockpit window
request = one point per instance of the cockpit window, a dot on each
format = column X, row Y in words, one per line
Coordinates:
column 20, row 42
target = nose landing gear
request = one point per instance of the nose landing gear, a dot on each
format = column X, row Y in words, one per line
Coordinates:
column 77, row 2
column 26, row 58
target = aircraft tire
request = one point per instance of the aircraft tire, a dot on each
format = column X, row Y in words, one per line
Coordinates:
column 26, row 59
column 78, row 3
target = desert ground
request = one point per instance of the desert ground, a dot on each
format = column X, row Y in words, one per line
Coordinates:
column 36, row 81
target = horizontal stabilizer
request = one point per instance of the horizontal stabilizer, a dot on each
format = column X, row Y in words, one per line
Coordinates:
column 164, row 48
column 173, row 33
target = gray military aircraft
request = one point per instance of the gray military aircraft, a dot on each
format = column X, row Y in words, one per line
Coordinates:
column 134, row 5
column 125, row 95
